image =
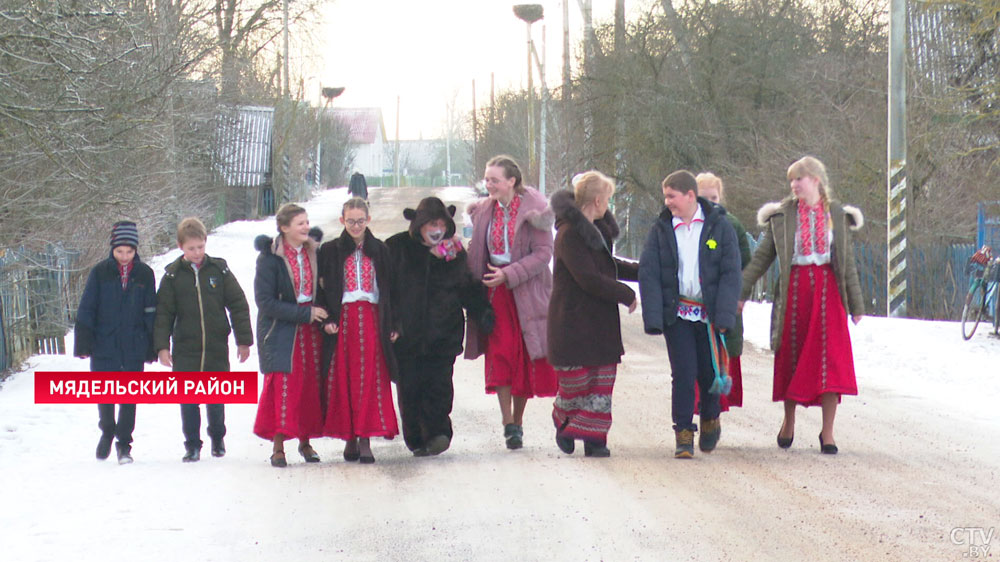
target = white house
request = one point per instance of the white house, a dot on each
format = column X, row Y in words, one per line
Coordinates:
column 367, row 138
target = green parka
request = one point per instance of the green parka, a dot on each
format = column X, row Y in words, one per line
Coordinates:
column 779, row 221
column 192, row 310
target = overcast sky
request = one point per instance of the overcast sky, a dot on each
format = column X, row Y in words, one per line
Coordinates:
column 429, row 52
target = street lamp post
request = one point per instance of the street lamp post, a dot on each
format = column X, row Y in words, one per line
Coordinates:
column 328, row 95
column 530, row 13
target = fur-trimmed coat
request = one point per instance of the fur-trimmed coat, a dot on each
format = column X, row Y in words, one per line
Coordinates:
column 584, row 325
column 528, row 274
column 779, row 220
column 278, row 311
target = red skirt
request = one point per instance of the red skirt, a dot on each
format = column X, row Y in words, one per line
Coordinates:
column 735, row 397
column 289, row 402
column 815, row 355
column 507, row 359
column 582, row 409
column 358, row 387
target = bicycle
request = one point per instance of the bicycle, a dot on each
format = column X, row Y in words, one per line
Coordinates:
column 982, row 300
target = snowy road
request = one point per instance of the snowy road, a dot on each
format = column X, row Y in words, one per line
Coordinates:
column 917, row 474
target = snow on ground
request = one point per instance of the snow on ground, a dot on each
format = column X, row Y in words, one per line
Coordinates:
column 925, row 361
column 58, row 503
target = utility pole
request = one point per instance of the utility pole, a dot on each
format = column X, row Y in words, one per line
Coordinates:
column 396, row 166
column 285, row 86
column 475, row 131
column 896, row 169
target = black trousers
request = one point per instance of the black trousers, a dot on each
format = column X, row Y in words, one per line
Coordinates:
column 425, row 392
column 191, row 422
column 122, row 428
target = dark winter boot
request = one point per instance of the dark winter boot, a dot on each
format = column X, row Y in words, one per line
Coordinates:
column 104, row 445
column 514, row 436
column 685, row 444
column 218, row 447
column 438, row 444
column 192, row 454
column 594, row 449
column 124, row 453
column 711, row 430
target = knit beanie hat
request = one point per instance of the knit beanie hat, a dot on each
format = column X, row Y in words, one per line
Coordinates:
column 124, row 233
column 430, row 208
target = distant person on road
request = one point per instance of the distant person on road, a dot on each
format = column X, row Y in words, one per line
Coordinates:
column 433, row 285
column 114, row 328
column 510, row 250
column 809, row 233
column 356, row 289
column 689, row 280
column 710, row 187
column 195, row 294
column 584, row 329
column 358, row 186
column 288, row 319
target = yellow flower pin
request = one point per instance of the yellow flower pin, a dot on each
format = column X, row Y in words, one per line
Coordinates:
column 711, row 243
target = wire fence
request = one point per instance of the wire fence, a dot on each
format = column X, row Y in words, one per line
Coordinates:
column 39, row 293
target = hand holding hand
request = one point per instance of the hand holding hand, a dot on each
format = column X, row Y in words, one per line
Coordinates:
column 165, row 358
column 494, row 277
column 318, row 314
column 331, row 328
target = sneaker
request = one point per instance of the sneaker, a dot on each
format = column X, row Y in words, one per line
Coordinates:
column 124, row 453
column 104, row 446
column 711, row 430
column 685, row 444
column 514, row 435
column 193, row 453
column 437, row 445
column 218, row 447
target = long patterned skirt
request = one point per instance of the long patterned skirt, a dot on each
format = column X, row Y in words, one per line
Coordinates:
column 582, row 409
column 815, row 355
column 358, row 388
column 289, row 402
column 507, row 359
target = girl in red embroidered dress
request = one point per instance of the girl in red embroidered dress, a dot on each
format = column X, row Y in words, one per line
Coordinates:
column 511, row 254
column 813, row 362
column 289, row 405
column 359, row 393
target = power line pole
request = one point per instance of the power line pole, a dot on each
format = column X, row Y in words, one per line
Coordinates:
column 896, row 169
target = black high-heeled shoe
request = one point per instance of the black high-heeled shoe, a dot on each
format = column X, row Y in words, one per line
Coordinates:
column 827, row 448
column 351, row 452
column 785, row 442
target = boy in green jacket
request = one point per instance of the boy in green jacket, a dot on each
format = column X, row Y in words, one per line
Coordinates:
column 195, row 293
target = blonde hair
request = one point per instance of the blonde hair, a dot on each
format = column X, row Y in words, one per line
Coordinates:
column 709, row 180
column 286, row 213
column 189, row 228
column 589, row 185
column 355, row 203
column 810, row 166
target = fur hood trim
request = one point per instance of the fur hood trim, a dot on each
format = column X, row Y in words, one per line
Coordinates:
column 855, row 218
column 534, row 207
column 597, row 235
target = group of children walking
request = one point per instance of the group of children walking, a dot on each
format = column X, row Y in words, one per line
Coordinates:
column 339, row 321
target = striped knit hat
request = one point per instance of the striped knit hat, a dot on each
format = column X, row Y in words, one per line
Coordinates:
column 125, row 233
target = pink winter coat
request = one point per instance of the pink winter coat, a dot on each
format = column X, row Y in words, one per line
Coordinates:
column 528, row 275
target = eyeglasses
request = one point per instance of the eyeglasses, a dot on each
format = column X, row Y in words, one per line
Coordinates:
column 355, row 222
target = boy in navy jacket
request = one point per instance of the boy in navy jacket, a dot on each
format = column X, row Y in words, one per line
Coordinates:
column 689, row 283
column 114, row 328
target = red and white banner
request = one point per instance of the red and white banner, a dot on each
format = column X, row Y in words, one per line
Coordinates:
column 139, row 387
